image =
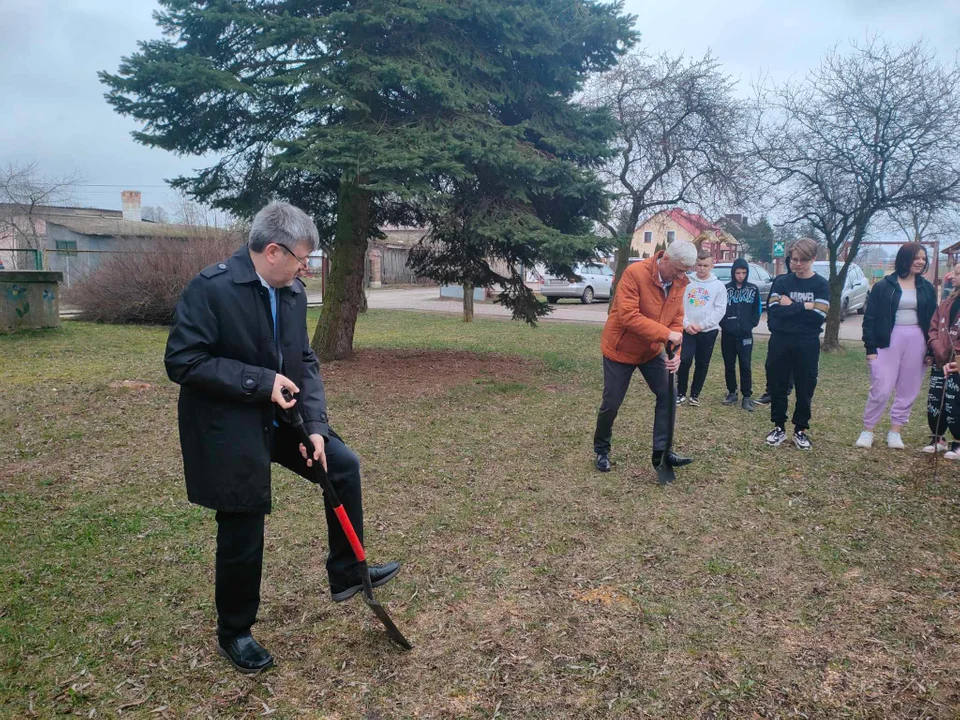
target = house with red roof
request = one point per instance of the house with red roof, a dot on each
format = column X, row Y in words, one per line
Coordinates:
column 676, row 224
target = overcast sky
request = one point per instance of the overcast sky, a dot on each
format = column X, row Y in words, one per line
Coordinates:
column 53, row 111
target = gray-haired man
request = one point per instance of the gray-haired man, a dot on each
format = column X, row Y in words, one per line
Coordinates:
column 238, row 340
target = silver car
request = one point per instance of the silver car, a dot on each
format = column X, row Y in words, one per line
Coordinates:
column 757, row 275
column 596, row 280
column 854, row 295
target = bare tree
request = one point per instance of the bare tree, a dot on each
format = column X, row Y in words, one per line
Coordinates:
column 872, row 131
column 922, row 223
column 24, row 191
column 155, row 213
column 182, row 210
column 680, row 139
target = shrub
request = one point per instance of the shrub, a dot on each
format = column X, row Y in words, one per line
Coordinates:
column 144, row 285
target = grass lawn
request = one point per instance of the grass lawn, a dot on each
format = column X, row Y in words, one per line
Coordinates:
column 764, row 583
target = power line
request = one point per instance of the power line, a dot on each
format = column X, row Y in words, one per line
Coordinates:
column 124, row 185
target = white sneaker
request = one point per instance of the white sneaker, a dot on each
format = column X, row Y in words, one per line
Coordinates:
column 865, row 440
column 937, row 447
column 952, row 454
column 776, row 437
column 894, row 441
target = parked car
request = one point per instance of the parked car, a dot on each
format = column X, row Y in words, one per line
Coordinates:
column 757, row 275
column 595, row 282
column 854, row 296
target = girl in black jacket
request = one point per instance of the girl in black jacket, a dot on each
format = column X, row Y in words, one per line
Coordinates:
column 895, row 325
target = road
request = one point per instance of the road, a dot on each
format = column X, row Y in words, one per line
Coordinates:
column 428, row 300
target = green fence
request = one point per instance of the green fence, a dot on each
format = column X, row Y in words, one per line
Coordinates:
column 20, row 258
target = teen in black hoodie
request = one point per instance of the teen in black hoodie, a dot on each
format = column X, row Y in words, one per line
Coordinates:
column 736, row 340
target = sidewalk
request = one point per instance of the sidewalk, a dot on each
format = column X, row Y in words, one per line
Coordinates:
column 428, row 300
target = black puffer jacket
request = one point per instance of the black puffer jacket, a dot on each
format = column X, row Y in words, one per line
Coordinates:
column 881, row 311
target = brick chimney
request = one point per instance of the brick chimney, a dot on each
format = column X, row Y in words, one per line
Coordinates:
column 131, row 205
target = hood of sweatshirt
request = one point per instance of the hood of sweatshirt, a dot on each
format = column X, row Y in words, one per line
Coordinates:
column 694, row 280
column 737, row 264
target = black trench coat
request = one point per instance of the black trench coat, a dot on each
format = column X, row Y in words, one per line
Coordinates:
column 222, row 353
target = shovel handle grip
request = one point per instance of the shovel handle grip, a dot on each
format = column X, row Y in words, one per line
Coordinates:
column 292, row 416
column 350, row 533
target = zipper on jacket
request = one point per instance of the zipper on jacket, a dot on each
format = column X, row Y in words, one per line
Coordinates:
column 619, row 340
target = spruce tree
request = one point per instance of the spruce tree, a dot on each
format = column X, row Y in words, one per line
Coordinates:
column 353, row 110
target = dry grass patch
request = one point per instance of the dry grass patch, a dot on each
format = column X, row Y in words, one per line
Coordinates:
column 765, row 583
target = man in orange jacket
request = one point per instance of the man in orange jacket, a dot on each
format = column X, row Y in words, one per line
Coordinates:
column 647, row 312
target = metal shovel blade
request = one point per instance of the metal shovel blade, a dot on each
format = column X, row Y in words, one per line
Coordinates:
column 665, row 474
column 381, row 613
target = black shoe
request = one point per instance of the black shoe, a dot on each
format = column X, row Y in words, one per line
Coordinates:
column 245, row 654
column 379, row 575
column 603, row 462
column 748, row 404
column 673, row 460
column 730, row 399
column 763, row 399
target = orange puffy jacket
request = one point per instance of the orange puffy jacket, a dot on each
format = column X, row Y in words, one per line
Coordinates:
column 641, row 317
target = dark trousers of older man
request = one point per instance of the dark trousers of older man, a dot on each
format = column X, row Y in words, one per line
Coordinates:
column 616, row 380
column 240, row 536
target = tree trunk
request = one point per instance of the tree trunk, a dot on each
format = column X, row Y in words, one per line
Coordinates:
column 333, row 338
column 467, row 302
column 624, row 248
column 831, row 333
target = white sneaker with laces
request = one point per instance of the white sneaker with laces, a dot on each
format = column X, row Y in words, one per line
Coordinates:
column 865, row 440
column 952, row 454
column 894, row 440
column 776, row 437
column 935, row 447
column 801, row 440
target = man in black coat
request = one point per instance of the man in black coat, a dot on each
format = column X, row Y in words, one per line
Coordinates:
column 238, row 340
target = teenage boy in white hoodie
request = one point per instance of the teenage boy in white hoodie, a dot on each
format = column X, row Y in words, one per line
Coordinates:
column 704, row 305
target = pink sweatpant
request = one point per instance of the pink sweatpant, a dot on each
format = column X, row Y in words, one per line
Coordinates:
column 899, row 366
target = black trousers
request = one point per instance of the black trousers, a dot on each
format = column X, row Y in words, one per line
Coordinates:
column 940, row 419
column 697, row 347
column 239, row 561
column 787, row 354
column 616, row 380
column 766, row 389
column 735, row 348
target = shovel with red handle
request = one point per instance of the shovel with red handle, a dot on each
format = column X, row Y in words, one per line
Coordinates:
column 665, row 474
column 293, row 418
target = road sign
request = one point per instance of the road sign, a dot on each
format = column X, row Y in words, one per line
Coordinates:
column 778, row 248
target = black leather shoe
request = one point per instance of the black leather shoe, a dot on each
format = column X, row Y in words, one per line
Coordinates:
column 245, row 654
column 673, row 460
column 603, row 462
column 379, row 575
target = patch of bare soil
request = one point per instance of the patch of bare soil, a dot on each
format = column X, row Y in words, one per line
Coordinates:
column 422, row 373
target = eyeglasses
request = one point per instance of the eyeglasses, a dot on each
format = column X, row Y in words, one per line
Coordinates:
column 303, row 264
